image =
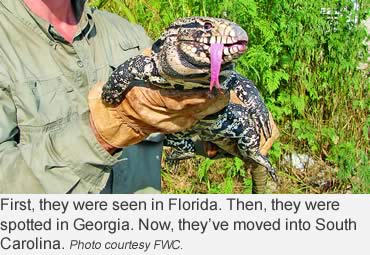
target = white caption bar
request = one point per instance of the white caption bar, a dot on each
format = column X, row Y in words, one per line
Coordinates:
column 184, row 224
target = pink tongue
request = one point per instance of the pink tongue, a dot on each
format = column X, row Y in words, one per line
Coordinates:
column 216, row 59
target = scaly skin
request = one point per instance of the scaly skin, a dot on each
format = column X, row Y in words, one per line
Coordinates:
column 231, row 126
column 181, row 59
column 197, row 52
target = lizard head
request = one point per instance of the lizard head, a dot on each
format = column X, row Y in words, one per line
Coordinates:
column 196, row 49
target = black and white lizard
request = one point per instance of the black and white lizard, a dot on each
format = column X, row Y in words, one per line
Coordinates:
column 231, row 129
column 197, row 52
column 191, row 53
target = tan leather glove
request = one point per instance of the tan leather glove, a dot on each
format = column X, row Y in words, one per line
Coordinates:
column 149, row 110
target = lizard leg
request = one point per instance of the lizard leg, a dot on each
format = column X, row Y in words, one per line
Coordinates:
column 248, row 94
column 136, row 68
column 183, row 148
column 249, row 149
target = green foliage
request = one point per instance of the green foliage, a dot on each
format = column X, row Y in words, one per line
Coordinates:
column 230, row 169
column 305, row 65
column 203, row 168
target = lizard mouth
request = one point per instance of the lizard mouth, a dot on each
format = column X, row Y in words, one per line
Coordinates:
column 217, row 51
column 235, row 48
column 230, row 49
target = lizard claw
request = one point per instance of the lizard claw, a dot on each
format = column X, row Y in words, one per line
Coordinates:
column 173, row 159
column 273, row 175
column 174, row 164
column 262, row 122
column 266, row 127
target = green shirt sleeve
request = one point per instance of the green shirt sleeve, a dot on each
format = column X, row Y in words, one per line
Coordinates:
column 56, row 160
column 46, row 143
column 15, row 175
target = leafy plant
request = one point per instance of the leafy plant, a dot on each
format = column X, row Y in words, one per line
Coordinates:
column 303, row 56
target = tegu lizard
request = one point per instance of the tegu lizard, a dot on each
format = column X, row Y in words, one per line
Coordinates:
column 232, row 129
column 192, row 53
column 197, row 52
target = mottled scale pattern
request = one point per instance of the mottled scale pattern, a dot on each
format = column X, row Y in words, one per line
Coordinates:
column 247, row 92
column 180, row 59
column 136, row 68
column 233, row 123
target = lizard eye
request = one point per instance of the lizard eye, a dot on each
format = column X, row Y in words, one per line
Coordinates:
column 208, row 26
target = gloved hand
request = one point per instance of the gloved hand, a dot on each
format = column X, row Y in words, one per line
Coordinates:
column 149, row 110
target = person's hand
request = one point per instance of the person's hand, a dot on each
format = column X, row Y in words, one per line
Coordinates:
column 147, row 110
